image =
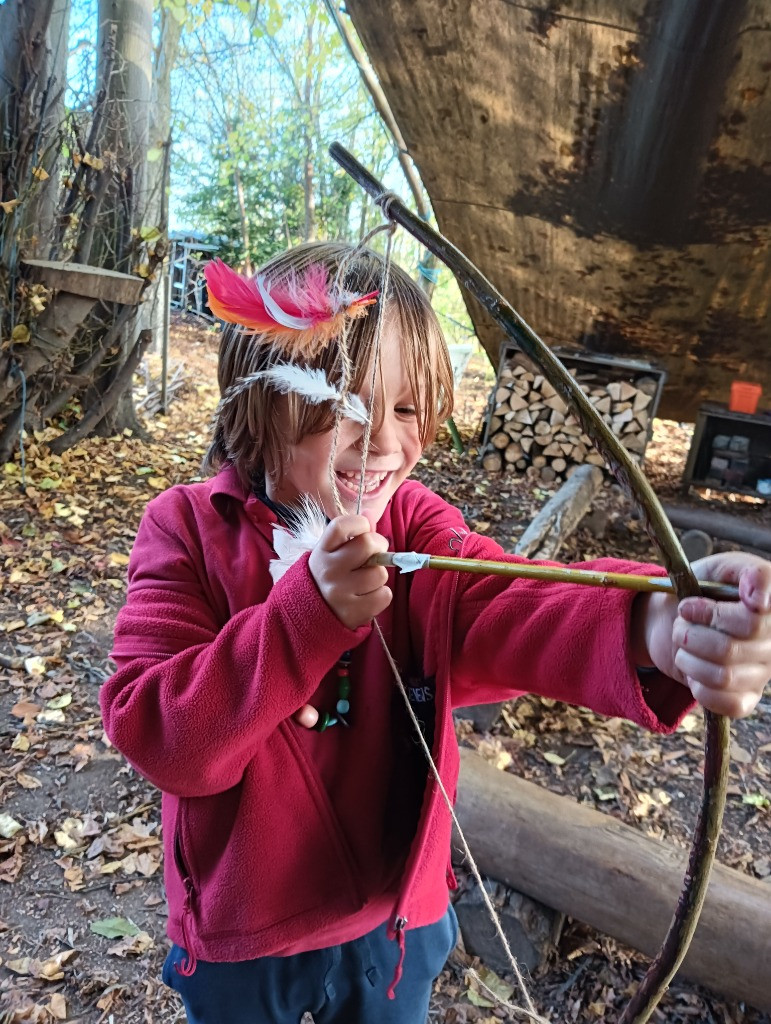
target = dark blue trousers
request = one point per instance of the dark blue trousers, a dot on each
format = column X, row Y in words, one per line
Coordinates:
column 344, row 984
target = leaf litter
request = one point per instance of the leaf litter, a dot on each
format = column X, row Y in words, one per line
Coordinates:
column 82, row 908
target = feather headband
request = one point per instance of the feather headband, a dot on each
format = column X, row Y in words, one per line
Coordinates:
column 300, row 315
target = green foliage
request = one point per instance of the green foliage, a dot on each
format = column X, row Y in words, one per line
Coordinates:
column 261, row 92
column 271, row 87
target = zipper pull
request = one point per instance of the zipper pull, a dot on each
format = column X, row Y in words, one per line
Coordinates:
column 399, row 925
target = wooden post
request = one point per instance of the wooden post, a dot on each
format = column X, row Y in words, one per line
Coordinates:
column 77, row 288
column 560, row 515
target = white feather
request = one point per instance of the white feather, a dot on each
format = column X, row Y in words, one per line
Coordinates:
column 354, row 409
column 241, row 385
column 307, row 522
column 312, row 383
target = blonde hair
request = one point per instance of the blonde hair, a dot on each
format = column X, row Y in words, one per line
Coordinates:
column 246, row 428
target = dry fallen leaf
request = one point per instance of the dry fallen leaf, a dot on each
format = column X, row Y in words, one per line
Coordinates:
column 51, row 969
column 57, row 1007
column 132, row 945
column 740, row 755
column 28, row 781
column 8, row 826
column 25, row 709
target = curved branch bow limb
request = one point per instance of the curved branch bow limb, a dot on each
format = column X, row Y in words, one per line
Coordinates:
column 707, row 827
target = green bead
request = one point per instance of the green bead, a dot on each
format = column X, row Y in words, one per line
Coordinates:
column 323, row 722
column 343, row 687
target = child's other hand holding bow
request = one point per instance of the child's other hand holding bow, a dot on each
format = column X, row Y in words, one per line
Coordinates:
column 720, row 650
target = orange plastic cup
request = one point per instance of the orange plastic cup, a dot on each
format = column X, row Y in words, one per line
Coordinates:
column 744, row 397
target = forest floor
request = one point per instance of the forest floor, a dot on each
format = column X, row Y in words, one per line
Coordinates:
column 81, row 896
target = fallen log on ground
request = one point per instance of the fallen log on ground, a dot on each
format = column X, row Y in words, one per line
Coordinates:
column 614, row 878
column 560, row 515
column 720, row 524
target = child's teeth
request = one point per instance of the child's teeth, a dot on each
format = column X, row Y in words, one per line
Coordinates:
column 371, row 480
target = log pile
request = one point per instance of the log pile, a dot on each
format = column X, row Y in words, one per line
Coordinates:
column 531, row 430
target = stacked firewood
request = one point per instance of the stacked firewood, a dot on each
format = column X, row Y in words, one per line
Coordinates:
column 531, row 430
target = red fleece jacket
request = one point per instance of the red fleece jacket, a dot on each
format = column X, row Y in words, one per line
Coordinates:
column 279, row 839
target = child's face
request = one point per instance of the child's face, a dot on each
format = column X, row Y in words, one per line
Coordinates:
column 394, row 446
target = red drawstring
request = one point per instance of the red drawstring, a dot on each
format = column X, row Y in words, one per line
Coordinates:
column 399, row 928
column 187, row 966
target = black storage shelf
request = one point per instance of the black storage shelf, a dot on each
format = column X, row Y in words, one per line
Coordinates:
column 714, row 421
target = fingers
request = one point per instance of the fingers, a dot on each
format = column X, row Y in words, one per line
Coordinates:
column 722, row 702
column 355, row 591
column 752, row 575
column 732, row 617
column 720, row 646
column 343, row 529
column 723, row 648
column 755, row 587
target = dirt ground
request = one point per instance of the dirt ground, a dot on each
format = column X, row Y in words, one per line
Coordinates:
column 81, row 897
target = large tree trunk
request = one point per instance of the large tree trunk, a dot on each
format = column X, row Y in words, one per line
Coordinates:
column 613, row 877
column 46, row 103
column 125, row 29
column 25, row 68
column 157, row 206
column 31, row 85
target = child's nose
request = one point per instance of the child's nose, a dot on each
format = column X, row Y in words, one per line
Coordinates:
column 385, row 437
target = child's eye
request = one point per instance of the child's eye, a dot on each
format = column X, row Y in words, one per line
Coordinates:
column 406, row 410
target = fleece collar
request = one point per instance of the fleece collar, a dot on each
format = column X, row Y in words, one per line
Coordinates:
column 226, row 487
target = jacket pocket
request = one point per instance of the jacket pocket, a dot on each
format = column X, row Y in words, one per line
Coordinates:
column 266, row 851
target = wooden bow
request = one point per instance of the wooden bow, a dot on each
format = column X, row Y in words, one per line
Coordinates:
column 717, row 741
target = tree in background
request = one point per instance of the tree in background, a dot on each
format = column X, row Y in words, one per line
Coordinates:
column 252, row 166
column 64, row 348
column 237, row 101
column 258, row 99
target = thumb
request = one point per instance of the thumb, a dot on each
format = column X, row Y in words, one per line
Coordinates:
column 755, row 587
column 752, row 575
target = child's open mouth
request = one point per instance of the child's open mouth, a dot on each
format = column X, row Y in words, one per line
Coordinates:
column 350, row 482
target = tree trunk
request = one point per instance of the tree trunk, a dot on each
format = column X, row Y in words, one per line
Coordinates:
column 125, row 28
column 39, row 218
column 560, row 516
column 157, row 207
column 24, row 67
column 310, row 196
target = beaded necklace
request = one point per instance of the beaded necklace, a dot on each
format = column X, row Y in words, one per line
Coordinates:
column 343, row 704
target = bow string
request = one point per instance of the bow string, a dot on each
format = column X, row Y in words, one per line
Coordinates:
column 634, row 482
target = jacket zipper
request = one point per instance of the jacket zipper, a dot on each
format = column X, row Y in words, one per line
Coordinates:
column 145, row 654
column 400, row 918
column 187, row 966
column 322, row 802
